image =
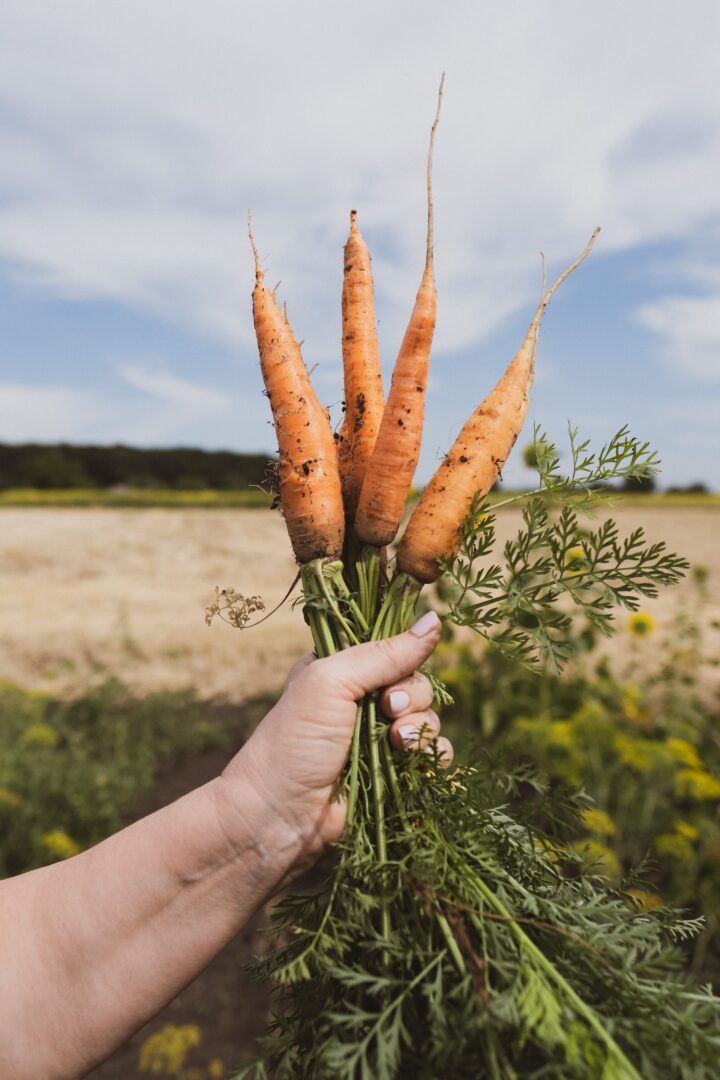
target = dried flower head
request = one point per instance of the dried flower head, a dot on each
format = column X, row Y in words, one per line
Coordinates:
column 233, row 607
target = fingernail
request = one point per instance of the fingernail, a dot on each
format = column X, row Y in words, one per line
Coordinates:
column 424, row 625
column 399, row 700
column 409, row 735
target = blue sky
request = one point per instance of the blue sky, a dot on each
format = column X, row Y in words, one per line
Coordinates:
column 136, row 136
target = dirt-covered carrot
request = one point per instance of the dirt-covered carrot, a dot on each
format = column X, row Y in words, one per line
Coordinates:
column 397, row 448
column 364, row 398
column 478, row 454
column 309, row 481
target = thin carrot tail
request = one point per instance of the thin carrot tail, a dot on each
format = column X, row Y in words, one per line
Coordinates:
column 478, row 454
column 397, row 449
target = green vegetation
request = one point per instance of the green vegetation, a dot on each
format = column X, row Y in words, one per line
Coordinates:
column 64, row 467
column 643, row 742
column 70, row 770
column 136, row 498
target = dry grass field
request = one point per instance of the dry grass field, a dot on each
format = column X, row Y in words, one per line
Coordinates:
column 89, row 592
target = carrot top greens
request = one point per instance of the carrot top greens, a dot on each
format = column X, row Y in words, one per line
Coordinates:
column 451, row 937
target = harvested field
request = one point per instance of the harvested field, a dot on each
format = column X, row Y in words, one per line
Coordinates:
column 91, row 592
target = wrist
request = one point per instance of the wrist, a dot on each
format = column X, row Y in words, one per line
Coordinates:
column 262, row 828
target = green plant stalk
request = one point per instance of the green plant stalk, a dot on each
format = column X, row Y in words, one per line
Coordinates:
column 378, row 794
column 397, row 607
column 325, row 571
column 354, row 770
column 367, row 572
column 528, row 946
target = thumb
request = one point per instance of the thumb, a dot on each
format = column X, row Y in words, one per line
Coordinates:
column 364, row 668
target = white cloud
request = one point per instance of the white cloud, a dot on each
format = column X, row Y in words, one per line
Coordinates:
column 173, row 390
column 158, row 409
column 139, row 134
column 689, row 328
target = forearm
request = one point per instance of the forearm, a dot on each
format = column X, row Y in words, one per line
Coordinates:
column 93, row 947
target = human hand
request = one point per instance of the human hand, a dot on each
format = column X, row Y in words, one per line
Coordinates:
column 294, row 758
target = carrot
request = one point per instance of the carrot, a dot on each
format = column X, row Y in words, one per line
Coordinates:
column 476, row 458
column 309, row 481
column 397, row 448
column 364, row 398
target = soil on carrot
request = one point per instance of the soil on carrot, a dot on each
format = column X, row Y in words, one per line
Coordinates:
column 224, row 1009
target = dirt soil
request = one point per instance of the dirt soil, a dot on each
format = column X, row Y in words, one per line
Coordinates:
column 228, row 1005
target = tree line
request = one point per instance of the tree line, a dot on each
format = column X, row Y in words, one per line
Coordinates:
column 63, row 465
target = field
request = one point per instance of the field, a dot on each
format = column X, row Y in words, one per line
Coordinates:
column 96, row 593
column 89, row 592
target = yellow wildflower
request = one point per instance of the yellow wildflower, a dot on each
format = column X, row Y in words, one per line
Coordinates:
column 640, row 624
column 684, row 752
column 560, row 733
column 630, row 701
column 8, row 798
column 576, row 562
column 643, row 899
column 634, row 752
column 550, row 851
column 684, row 828
column 58, row 843
column 216, row 1069
column 598, row 822
column 674, row 846
column 590, row 713
column 598, row 857
column 40, row 735
column 166, row 1050
column 697, row 784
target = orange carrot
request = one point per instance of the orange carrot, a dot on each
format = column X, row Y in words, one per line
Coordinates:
column 364, row 399
column 397, row 448
column 476, row 458
column 310, row 492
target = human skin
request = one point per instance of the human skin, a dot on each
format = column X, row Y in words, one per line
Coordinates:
column 94, row 946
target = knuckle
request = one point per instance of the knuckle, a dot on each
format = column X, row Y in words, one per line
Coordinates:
column 386, row 650
column 424, row 687
column 429, row 722
column 316, row 674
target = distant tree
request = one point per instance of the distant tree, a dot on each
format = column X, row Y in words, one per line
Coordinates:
column 690, row 489
column 529, row 456
column 183, row 468
column 639, row 484
column 52, row 468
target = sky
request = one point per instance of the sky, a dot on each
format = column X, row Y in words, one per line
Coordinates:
column 136, row 136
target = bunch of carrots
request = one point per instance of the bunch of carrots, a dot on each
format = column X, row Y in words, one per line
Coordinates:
column 424, row 952
column 343, row 494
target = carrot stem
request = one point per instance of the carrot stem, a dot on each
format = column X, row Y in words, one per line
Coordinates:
column 397, row 607
column 550, row 970
column 451, row 943
column 367, row 569
column 354, row 776
column 378, row 791
column 335, row 574
column 317, row 618
column 345, row 630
